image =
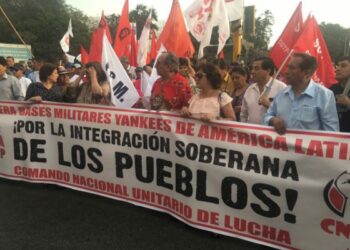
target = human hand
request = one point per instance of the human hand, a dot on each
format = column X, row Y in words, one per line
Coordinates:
column 35, row 99
column 207, row 117
column 278, row 124
column 343, row 100
column 264, row 100
column 185, row 112
column 92, row 72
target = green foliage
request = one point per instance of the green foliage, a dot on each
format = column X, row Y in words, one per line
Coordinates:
column 257, row 45
column 113, row 21
column 263, row 31
column 42, row 24
column 336, row 37
column 139, row 16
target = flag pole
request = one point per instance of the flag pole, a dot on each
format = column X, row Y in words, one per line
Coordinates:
column 268, row 89
column 15, row 30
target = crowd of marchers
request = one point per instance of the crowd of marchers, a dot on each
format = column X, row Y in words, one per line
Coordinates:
column 206, row 90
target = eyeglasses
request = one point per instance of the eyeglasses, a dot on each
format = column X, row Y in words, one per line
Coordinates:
column 199, row 75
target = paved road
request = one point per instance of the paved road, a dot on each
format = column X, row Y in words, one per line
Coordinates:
column 37, row 216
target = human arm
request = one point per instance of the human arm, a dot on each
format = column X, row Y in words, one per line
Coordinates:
column 185, row 112
column 344, row 101
column 96, row 89
column 228, row 112
column 226, row 109
column 328, row 112
column 264, row 100
column 271, row 119
column 191, row 71
column 278, row 124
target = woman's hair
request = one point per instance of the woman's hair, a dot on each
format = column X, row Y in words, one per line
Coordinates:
column 213, row 74
column 101, row 76
column 239, row 70
column 183, row 61
column 46, row 70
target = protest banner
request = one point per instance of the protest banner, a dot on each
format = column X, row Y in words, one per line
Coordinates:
column 235, row 179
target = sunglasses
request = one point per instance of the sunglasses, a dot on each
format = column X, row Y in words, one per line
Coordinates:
column 199, row 75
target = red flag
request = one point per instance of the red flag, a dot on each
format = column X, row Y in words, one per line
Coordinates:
column 174, row 36
column 96, row 40
column 84, row 55
column 104, row 25
column 287, row 39
column 311, row 42
column 123, row 36
column 221, row 55
column 134, row 49
column 153, row 52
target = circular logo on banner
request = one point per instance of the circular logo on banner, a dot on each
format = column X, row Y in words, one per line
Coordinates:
column 337, row 193
column 124, row 33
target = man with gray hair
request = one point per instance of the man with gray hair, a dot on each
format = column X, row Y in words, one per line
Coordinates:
column 10, row 88
column 131, row 70
column 171, row 91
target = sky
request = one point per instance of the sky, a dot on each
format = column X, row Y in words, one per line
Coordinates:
column 333, row 11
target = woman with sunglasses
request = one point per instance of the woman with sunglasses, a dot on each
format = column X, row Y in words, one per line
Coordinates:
column 210, row 103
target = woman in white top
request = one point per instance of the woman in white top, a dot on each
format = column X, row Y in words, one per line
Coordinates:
column 210, row 103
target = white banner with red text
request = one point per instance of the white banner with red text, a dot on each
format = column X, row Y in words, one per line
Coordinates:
column 235, row 179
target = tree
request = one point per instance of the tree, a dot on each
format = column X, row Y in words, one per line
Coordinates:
column 42, row 23
column 258, row 42
column 337, row 39
column 263, row 31
column 138, row 15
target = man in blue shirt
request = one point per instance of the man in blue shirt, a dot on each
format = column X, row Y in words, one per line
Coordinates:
column 303, row 104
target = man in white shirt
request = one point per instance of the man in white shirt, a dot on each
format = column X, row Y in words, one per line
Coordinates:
column 260, row 94
column 19, row 74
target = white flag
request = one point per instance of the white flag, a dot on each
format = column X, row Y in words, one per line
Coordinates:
column 144, row 42
column 65, row 39
column 65, row 42
column 70, row 28
column 235, row 9
column 123, row 91
column 202, row 16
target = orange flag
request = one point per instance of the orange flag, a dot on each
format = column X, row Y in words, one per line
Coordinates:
column 97, row 38
column 287, row 39
column 174, row 36
column 134, row 49
column 104, row 25
column 123, row 36
column 311, row 42
column 153, row 52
